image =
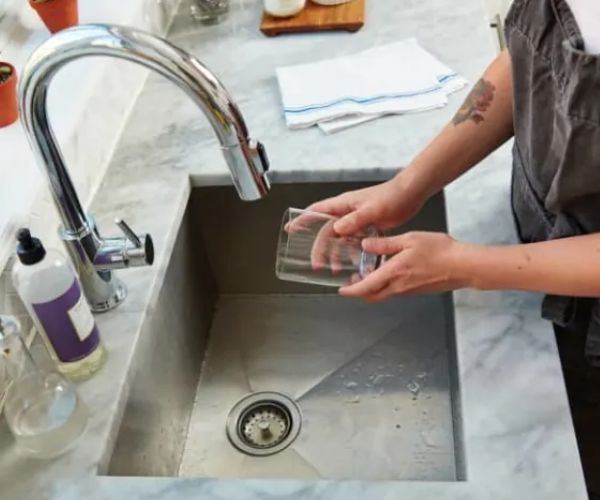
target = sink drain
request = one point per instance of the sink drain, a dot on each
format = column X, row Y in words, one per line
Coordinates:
column 263, row 423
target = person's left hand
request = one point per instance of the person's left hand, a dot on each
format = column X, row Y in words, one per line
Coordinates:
column 421, row 262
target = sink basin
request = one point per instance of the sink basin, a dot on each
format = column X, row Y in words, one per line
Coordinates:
column 326, row 387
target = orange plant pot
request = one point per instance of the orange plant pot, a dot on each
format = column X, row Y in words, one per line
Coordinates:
column 57, row 14
column 8, row 97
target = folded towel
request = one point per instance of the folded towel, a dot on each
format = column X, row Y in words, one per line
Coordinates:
column 400, row 77
column 449, row 81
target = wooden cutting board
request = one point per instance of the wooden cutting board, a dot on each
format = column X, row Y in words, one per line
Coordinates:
column 347, row 16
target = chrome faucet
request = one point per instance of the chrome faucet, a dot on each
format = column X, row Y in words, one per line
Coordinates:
column 95, row 257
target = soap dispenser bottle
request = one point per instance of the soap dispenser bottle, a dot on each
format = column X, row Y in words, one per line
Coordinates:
column 51, row 292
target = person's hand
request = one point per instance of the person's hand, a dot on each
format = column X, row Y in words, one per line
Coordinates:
column 329, row 248
column 420, row 262
column 384, row 206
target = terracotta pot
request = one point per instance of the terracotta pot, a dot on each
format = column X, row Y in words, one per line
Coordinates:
column 8, row 97
column 57, row 14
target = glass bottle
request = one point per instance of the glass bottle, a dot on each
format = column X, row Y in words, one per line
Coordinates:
column 43, row 411
column 209, row 11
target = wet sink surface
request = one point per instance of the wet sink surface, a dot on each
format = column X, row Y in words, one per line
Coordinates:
column 371, row 383
column 375, row 383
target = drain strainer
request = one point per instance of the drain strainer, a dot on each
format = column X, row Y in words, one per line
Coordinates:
column 263, row 423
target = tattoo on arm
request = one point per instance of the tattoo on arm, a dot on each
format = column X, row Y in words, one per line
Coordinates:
column 476, row 103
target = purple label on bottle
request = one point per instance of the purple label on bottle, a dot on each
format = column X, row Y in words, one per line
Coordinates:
column 69, row 325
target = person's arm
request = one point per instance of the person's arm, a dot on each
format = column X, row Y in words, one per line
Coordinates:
column 569, row 266
column 483, row 123
column 421, row 262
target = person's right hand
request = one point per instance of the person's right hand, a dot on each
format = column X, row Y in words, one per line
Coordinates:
column 384, row 206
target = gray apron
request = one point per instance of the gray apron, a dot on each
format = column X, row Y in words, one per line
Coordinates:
column 556, row 185
column 556, row 155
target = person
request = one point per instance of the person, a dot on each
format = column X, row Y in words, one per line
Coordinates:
column 544, row 91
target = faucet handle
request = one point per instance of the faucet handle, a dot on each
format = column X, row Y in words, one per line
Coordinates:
column 130, row 251
column 129, row 233
column 262, row 154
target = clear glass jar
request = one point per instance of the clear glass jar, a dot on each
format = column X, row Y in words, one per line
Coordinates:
column 209, row 11
column 43, row 411
column 310, row 251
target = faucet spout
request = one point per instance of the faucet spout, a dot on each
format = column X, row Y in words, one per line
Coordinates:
column 94, row 257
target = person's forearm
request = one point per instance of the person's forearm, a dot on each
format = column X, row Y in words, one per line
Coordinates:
column 569, row 266
column 483, row 123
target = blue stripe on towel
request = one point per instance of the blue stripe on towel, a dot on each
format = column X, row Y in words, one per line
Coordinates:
column 445, row 78
column 365, row 100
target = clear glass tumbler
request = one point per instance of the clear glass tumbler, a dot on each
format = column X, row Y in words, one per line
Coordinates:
column 43, row 411
column 209, row 11
column 310, row 251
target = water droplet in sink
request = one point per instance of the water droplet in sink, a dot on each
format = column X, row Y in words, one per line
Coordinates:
column 351, row 385
column 353, row 400
column 378, row 378
column 414, row 388
column 355, row 369
column 421, row 375
column 428, row 439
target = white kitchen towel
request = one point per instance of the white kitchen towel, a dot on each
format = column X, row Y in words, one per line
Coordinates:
column 397, row 78
column 448, row 80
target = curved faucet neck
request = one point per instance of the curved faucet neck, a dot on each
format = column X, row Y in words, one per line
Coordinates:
column 246, row 160
column 95, row 257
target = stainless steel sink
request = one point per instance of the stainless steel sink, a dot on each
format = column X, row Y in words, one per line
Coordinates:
column 372, row 387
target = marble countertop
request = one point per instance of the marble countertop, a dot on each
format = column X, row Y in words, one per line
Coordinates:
column 518, row 437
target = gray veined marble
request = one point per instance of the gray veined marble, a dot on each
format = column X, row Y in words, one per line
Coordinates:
column 517, row 432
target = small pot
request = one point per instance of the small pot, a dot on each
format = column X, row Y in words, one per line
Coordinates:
column 330, row 2
column 8, row 95
column 57, row 14
column 284, row 8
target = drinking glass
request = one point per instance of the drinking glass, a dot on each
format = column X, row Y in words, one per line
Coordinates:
column 310, row 251
column 43, row 411
column 209, row 11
